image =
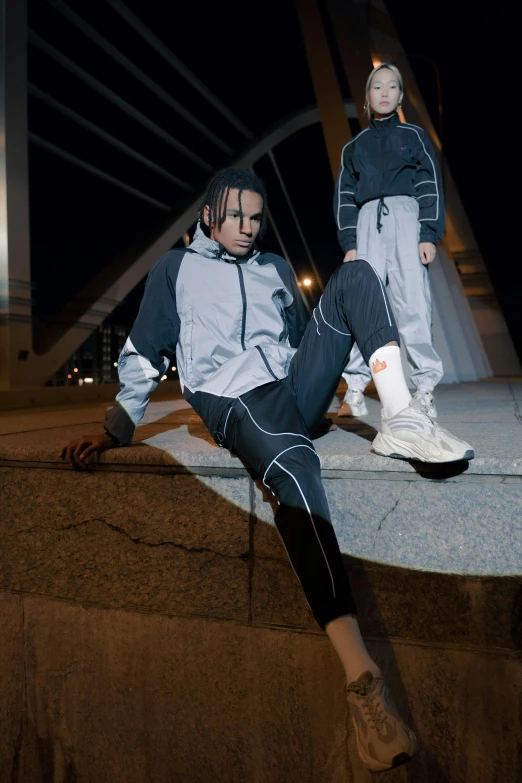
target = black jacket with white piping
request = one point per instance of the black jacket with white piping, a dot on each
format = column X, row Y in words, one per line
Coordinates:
column 389, row 158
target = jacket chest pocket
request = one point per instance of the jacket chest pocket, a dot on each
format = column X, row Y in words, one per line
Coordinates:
column 406, row 152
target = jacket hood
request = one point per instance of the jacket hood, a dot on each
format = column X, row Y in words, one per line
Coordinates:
column 209, row 248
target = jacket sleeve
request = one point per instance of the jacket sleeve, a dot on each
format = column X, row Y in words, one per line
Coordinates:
column 295, row 313
column 148, row 350
column 428, row 187
column 346, row 210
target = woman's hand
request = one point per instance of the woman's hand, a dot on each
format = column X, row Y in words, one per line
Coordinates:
column 351, row 255
column 427, row 252
column 78, row 450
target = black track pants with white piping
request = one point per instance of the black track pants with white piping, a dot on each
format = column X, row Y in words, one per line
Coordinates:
column 269, row 429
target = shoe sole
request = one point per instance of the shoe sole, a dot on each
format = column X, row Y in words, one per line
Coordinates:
column 386, row 446
column 354, row 411
column 373, row 765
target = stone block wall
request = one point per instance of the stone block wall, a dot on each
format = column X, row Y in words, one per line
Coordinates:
column 153, row 631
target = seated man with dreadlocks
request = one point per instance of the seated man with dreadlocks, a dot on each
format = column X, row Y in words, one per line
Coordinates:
column 262, row 380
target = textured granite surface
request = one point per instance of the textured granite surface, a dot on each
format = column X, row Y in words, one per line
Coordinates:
column 452, row 526
column 12, row 664
column 497, row 448
column 111, row 547
column 181, row 646
column 465, row 520
column 127, row 539
column 126, row 696
column 486, row 414
column 469, row 528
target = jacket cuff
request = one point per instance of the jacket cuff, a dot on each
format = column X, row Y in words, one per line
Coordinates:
column 119, row 425
column 427, row 235
column 348, row 241
column 113, row 437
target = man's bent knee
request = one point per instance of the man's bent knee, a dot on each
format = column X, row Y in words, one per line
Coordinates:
column 356, row 268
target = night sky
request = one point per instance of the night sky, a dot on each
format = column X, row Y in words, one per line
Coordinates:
column 252, row 57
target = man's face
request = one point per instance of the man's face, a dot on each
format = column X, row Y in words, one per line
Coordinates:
column 238, row 241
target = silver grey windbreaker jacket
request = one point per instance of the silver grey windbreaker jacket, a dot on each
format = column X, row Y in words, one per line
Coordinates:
column 233, row 325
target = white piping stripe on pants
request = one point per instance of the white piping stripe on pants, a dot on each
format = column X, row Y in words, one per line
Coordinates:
column 317, row 322
column 293, row 434
column 347, row 334
column 312, row 521
column 226, row 422
column 299, row 446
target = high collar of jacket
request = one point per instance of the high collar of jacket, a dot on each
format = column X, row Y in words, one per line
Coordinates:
column 387, row 124
column 209, row 248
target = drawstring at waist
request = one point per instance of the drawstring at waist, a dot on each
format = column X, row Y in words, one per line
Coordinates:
column 382, row 209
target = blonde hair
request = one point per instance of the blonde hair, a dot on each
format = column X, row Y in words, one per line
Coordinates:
column 398, row 76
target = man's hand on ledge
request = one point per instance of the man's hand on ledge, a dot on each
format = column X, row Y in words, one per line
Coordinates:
column 78, row 450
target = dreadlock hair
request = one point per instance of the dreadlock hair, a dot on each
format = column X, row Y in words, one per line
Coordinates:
column 216, row 197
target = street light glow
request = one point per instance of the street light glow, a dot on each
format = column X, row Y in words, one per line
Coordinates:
column 307, row 282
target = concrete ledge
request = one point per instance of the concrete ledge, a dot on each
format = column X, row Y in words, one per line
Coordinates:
column 348, row 449
column 151, row 614
column 433, row 518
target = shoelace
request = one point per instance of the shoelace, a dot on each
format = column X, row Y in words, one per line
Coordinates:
column 374, row 711
column 371, row 705
column 382, row 209
column 420, row 409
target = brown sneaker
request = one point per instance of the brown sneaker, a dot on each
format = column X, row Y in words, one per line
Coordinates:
column 383, row 739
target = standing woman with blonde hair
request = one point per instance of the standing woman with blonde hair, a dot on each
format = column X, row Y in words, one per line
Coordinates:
column 389, row 209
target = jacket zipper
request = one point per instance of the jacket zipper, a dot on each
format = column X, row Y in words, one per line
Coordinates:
column 382, row 162
column 243, row 296
column 243, row 324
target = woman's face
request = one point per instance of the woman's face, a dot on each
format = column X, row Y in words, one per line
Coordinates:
column 385, row 94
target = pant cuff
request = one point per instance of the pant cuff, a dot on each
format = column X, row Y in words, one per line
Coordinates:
column 379, row 339
column 339, row 609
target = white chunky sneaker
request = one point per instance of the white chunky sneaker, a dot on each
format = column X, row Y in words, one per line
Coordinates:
column 353, row 404
column 411, row 434
column 428, row 403
column 384, row 741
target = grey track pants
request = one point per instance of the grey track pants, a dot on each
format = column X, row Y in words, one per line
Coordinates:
column 394, row 254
